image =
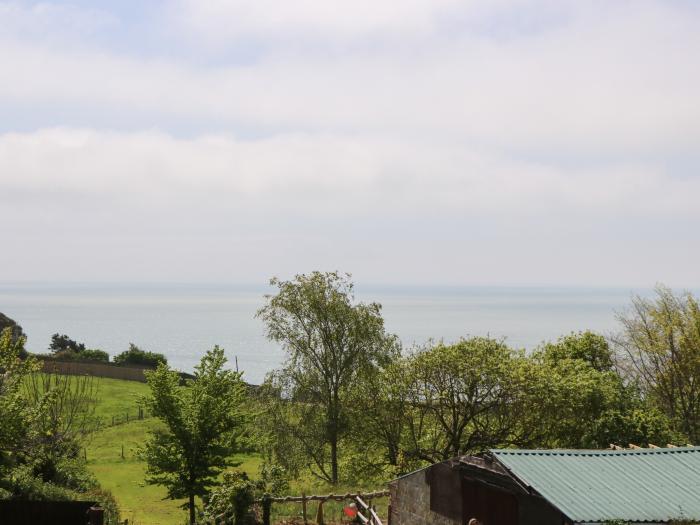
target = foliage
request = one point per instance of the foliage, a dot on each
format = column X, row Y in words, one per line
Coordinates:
column 660, row 344
column 62, row 343
column 135, row 356
column 462, row 398
column 274, row 479
column 233, row 499
column 67, row 416
column 89, row 354
column 202, row 420
column 6, row 322
column 580, row 401
column 330, row 341
column 44, row 416
column 66, row 349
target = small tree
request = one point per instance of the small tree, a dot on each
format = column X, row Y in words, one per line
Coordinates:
column 202, row 420
column 67, row 416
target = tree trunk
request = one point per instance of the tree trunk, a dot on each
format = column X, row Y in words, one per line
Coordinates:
column 192, row 517
column 334, row 459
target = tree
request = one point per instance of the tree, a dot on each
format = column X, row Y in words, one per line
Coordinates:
column 6, row 322
column 63, row 343
column 660, row 344
column 66, row 417
column 17, row 417
column 578, row 400
column 330, row 341
column 379, row 406
column 202, row 420
column 463, row 397
column 135, row 356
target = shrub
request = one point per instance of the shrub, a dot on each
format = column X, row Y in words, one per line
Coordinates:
column 135, row 356
column 89, row 354
column 233, row 498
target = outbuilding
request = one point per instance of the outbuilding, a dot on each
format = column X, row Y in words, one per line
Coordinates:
column 553, row 487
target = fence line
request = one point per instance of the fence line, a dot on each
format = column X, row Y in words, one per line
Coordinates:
column 266, row 505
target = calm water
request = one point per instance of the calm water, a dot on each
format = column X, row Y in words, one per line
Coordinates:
column 182, row 321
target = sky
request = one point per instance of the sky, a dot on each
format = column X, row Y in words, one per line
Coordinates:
column 427, row 142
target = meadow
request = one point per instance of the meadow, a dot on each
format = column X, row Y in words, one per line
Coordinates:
column 124, row 475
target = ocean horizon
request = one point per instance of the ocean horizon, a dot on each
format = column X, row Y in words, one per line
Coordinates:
column 182, row 321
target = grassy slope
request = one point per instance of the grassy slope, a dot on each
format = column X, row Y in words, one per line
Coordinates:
column 142, row 504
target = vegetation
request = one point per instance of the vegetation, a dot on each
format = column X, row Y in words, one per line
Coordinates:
column 202, row 421
column 6, row 322
column 331, row 343
column 135, row 356
column 39, row 438
column 65, row 348
column 349, row 408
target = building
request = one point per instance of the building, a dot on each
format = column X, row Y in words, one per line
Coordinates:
column 552, row 487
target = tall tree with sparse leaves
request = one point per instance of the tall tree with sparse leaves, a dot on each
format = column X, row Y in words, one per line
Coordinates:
column 331, row 341
column 202, row 421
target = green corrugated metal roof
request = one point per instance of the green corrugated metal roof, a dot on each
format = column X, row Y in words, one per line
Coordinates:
column 589, row 486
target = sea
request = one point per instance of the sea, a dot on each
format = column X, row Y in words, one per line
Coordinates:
column 183, row 321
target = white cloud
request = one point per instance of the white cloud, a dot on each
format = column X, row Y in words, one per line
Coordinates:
column 622, row 82
column 353, row 135
column 328, row 174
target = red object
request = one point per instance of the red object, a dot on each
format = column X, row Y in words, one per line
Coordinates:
column 350, row 512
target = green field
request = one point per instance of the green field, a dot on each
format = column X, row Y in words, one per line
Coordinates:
column 144, row 504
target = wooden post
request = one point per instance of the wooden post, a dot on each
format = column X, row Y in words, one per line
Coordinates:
column 122, row 450
column 96, row 515
column 319, row 513
column 266, row 505
column 388, row 516
column 303, row 508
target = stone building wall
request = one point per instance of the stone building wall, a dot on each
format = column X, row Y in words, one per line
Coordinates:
column 410, row 502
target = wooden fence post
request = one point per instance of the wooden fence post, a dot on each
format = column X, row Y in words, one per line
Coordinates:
column 303, row 507
column 96, row 515
column 266, row 505
column 319, row 513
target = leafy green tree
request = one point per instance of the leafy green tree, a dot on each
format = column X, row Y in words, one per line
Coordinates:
column 135, row 356
column 379, row 407
column 330, row 341
column 202, row 421
column 586, row 346
column 660, row 344
column 578, row 399
column 464, row 398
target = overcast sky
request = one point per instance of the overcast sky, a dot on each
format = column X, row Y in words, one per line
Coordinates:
column 406, row 141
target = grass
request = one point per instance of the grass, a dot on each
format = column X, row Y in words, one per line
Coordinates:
column 140, row 503
column 144, row 504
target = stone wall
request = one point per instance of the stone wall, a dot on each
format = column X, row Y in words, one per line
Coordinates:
column 410, row 502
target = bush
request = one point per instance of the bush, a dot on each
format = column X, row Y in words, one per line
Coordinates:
column 233, row 498
column 89, row 354
column 135, row 356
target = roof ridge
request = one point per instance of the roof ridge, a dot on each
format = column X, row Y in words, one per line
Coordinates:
column 592, row 452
